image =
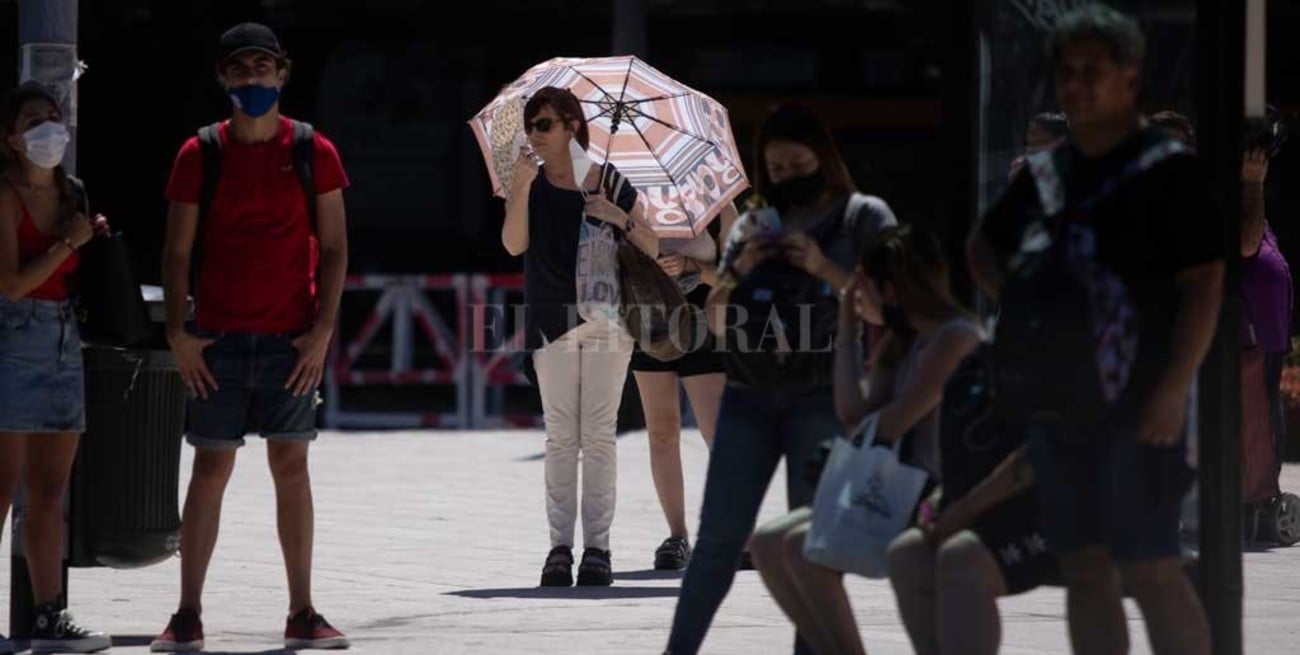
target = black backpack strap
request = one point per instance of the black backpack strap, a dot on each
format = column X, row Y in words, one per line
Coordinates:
column 210, row 149
column 304, row 158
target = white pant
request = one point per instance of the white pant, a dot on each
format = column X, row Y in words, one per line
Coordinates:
column 581, row 377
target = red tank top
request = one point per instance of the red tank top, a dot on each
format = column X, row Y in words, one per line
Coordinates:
column 32, row 243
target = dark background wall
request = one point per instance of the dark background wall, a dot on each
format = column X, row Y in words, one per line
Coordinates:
column 394, row 81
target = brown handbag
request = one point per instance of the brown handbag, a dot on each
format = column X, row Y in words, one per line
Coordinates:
column 654, row 309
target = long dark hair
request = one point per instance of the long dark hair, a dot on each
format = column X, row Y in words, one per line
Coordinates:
column 798, row 124
column 565, row 104
column 913, row 261
column 10, row 109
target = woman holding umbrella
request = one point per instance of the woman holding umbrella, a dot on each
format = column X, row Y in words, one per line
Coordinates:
column 581, row 365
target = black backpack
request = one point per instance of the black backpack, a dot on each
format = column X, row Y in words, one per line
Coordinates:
column 304, row 156
column 794, row 350
column 1067, row 334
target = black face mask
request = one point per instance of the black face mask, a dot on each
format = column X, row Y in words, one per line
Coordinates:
column 895, row 319
column 798, row 191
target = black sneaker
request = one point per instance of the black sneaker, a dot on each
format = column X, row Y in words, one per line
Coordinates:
column 673, row 554
column 595, row 570
column 6, row 646
column 56, row 632
column 558, row 570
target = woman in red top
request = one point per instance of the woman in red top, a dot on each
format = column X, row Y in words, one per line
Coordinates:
column 42, row 402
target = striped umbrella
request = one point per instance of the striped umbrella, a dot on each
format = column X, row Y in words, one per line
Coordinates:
column 673, row 143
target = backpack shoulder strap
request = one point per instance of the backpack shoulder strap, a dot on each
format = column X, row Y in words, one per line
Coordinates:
column 304, row 159
column 1046, row 168
column 852, row 211
column 210, row 149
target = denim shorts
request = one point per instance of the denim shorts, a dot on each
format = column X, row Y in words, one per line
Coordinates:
column 1106, row 489
column 42, row 379
column 251, row 370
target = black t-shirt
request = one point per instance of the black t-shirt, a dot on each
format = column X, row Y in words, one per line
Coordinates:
column 550, row 263
column 1154, row 225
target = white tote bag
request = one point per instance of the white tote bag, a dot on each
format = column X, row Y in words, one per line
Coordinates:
column 865, row 499
column 599, row 297
column 597, row 274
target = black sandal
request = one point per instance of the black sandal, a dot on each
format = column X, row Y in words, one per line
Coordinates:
column 558, row 570
column 596, row 570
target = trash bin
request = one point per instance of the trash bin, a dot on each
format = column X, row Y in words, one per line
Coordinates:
column 123, row 499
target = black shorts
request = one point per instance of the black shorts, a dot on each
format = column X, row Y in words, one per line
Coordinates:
column 1103, row 488
column 701, row 361
column 1010, row 531
column 704, row 360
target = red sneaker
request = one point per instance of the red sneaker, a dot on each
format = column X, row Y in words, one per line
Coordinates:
column 184, row 633
column 307, row 629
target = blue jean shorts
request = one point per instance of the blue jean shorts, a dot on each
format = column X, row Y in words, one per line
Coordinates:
column 1104, row 488
column 42, row 379
column 251, row 370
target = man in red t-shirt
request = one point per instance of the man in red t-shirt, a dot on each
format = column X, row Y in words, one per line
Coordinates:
column 267, row 285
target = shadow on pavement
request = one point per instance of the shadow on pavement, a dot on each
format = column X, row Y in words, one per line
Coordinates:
column 579, row 593
column 649, row 574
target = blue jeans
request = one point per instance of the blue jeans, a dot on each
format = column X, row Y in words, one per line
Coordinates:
column 251, row 370
column 756, row 428
column 42, row 378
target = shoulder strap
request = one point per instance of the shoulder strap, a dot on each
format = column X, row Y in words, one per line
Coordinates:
column 210, row 148
column 612, row 182
column 304, row 158
column 1046, row 169
column 79, row 194
column 852, row 211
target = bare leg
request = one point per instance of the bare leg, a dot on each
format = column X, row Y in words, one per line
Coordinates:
column 970, row 583
column 912, row 565
column 294, row 516
column 823, row 590
column 705, row 392
column 1176, row 622
column 201, row 520
column 13, row 452
column 49, row 464
column 767, row 546
column 1095, row 606
column 663, row 419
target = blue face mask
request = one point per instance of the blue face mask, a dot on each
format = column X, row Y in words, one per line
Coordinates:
column 254, row 100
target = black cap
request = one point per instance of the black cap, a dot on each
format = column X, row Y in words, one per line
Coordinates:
column 248, row 36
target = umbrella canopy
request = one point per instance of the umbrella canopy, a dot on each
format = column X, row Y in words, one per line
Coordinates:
column 673, row 143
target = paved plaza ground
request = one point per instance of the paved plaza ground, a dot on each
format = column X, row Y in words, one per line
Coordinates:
column 432, row 542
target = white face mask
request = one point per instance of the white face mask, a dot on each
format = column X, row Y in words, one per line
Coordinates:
column 581, row 163
column 46, row 143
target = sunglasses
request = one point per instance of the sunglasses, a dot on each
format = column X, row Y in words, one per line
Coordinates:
column 540, row 125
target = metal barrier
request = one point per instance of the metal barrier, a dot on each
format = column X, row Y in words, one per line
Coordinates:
column 403, row 303
column 496, row 363
column 477, row 351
